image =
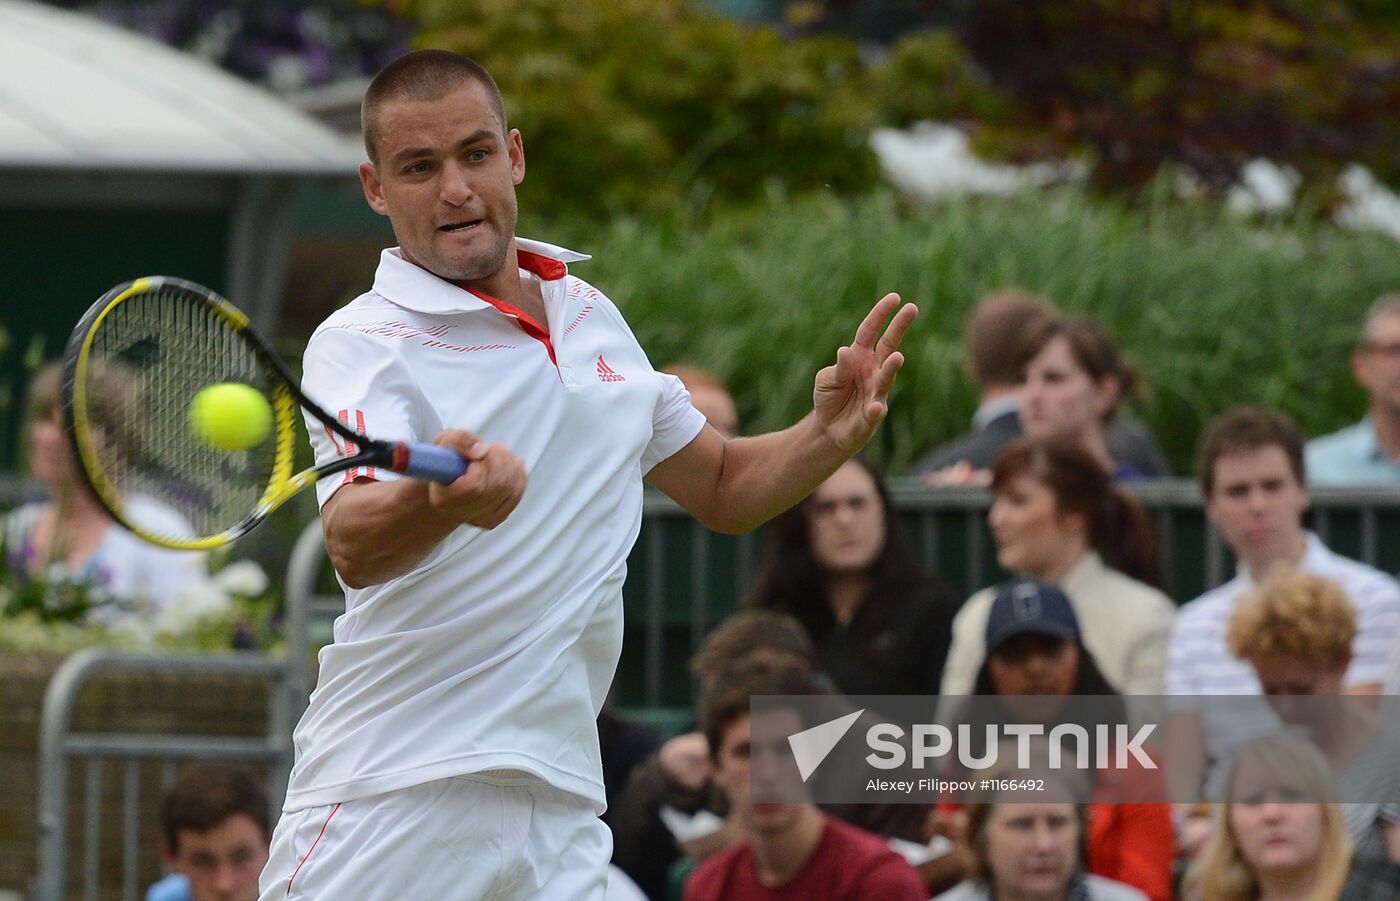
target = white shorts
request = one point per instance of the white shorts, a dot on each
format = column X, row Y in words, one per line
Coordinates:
column 483, row 836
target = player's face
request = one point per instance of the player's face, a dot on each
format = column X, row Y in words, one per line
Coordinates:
column 1377, row 365
column 223, row 863
column 446, row 179
column 1060, row 397
column 1031, row 849
column 846, row 522
column 1033, row 536
column 1257, row 504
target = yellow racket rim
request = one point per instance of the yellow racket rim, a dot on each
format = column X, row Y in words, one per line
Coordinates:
column 281, row 484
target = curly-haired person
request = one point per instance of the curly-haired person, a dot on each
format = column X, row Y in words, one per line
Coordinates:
column 1296, row 631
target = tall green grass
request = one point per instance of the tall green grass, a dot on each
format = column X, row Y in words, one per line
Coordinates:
column 1216, row 311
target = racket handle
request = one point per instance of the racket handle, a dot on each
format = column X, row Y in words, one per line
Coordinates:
column 428, row 462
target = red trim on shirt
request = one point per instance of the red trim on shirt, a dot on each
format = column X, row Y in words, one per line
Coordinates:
column 527, row 322
column 545, row 267
column 312, row 848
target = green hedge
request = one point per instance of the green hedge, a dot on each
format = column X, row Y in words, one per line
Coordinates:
column 1215, row 310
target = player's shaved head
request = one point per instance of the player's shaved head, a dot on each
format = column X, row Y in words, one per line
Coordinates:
column 422, row 75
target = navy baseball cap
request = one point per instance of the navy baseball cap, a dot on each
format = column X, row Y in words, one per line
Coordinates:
column 1027, row 606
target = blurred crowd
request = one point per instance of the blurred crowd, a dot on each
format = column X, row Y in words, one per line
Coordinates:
column 841, row 605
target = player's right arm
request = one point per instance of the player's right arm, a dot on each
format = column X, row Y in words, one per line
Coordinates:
column 377, row 531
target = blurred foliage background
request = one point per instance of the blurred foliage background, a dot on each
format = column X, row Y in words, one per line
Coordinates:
column 715, row 156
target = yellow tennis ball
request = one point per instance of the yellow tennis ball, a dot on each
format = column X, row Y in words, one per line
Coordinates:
column 231, row 416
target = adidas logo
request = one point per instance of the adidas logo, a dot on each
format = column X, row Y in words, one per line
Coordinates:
column 606, row 373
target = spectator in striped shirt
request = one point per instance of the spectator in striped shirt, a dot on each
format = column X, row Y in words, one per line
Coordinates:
column 1252, row 474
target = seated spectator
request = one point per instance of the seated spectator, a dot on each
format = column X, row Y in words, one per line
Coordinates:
column 991, row 340
column 70, row 537
column 1018, row 850
column 1034, row 648
column 839, row 563
column 214, row 822
column 1057, row 518
column 789, row 850
column 1072, row 382
column 1296, row 631
column 1252, row 476
column 680, row 775
column 709, row 395
column 1367, row 453
column 1280, row 834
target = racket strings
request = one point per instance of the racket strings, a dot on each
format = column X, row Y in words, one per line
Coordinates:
column 150, row 356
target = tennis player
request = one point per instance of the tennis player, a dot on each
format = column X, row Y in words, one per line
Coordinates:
column 449, row 750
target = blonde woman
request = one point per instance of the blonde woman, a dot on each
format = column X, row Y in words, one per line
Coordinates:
column 1279, row 836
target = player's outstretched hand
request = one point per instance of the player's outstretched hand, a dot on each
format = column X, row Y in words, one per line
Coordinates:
column 850, row 397
column 490, row 488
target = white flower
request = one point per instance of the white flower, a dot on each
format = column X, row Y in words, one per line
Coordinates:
column 244, row 578
column 135, row 631
column 1264, row 187
column 196, row 603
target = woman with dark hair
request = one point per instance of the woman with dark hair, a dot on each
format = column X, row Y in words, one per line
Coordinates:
column 839, row 564
column 1057, row 517
column 1073, row 379
column 1038, row 670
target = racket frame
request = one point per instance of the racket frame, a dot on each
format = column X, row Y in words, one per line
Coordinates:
column 286, row 397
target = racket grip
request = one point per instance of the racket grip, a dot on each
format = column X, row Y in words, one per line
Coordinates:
column 428, row 462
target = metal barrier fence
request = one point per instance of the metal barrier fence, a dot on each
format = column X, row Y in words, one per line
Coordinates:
column 682, row 578
column 290, row 679
column 60, row 746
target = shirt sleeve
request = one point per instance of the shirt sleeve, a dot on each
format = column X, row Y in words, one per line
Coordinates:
column 362, row 381
column 1147, row 660
column 1378, row 625
column 674, row 424
column 967, row 647
column 1180, row 682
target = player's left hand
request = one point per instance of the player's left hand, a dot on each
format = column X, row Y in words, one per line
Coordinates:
column 850, row 397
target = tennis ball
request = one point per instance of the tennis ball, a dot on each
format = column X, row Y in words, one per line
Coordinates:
column 231, row 416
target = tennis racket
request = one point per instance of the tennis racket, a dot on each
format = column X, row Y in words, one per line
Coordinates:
column 132, row 369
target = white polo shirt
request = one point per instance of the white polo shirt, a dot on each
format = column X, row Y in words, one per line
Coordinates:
column 497, row 651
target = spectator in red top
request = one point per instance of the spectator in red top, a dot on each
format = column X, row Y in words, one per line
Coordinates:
column 790, row 851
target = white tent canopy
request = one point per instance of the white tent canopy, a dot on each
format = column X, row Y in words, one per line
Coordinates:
column 92, row 115
column 76, row 92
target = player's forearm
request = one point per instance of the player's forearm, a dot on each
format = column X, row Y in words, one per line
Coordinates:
column 764, row 475
column 377, row 531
